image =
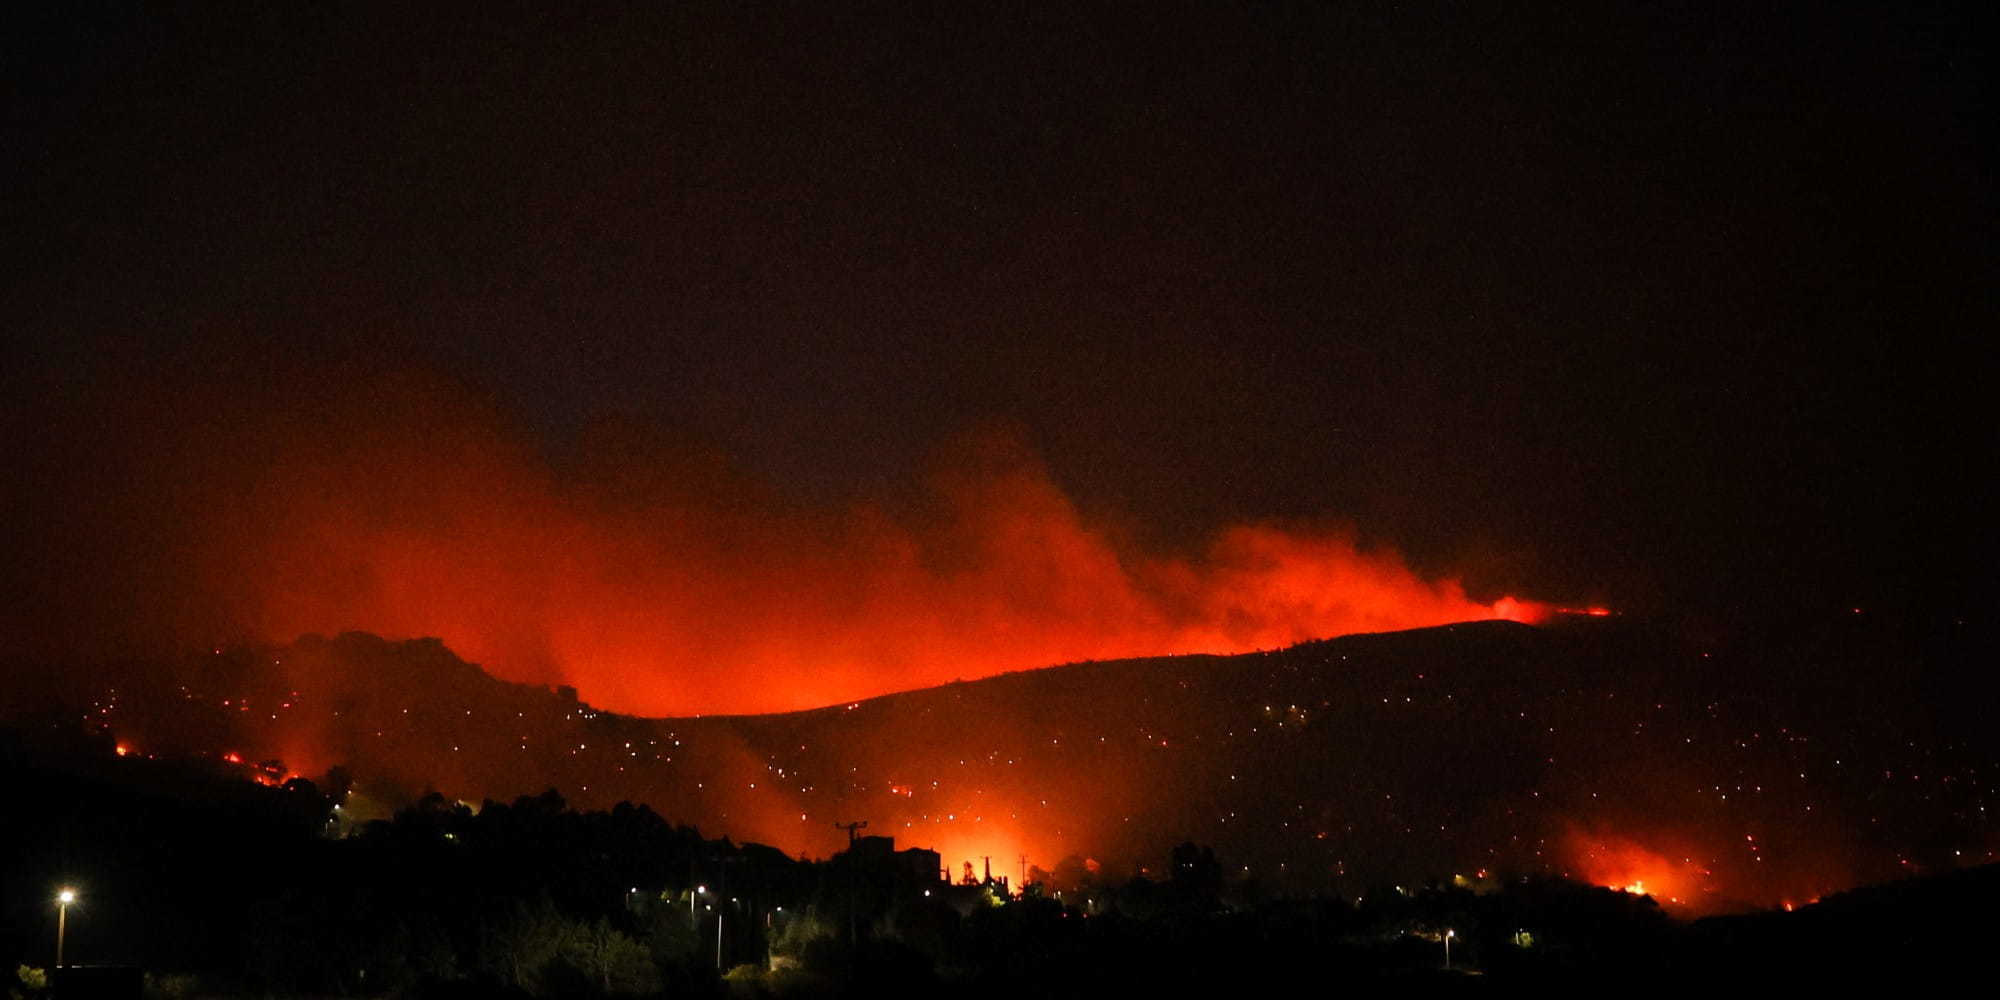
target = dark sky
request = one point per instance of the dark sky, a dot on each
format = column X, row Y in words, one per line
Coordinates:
column 1670, row 308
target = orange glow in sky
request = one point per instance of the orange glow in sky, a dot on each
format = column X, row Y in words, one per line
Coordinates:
column 1624, row 863
column 658, row 579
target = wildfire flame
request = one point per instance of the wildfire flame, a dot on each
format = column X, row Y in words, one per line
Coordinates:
column 1626, row 864
column 656, row 578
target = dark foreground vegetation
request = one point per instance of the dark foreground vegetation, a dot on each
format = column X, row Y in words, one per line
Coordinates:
column 206, row 884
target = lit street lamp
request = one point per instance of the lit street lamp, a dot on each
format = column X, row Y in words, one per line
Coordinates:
column 1448, row 935
column 63, row 899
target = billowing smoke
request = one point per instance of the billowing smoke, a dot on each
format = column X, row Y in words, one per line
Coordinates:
column 652, row 575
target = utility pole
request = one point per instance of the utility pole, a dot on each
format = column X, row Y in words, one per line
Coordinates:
column 853, row 936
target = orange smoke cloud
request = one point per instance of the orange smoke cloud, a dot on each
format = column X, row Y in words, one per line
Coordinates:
column 652, row 576
column 1620, row 862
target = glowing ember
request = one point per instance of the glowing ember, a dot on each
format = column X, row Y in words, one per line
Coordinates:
column 1589, row 612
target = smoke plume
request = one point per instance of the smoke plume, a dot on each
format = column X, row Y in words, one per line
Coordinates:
column 651, row 574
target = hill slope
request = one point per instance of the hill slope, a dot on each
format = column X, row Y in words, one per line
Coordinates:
column 1594, row 749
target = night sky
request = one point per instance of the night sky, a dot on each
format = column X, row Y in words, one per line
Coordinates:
column 1681, row 311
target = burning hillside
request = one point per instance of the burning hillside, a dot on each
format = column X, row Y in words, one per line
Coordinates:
column 1474, row 750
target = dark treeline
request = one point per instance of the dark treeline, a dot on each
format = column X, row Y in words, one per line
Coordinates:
column 216, row 885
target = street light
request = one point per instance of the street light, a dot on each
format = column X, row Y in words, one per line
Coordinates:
column 718, row 929
column 63, row 899
column 1448, row 935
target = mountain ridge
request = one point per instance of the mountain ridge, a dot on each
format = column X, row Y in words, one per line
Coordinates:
column 1601, row 749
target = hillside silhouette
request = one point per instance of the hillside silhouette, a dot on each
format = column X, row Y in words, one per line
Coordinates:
column 1713, row 778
